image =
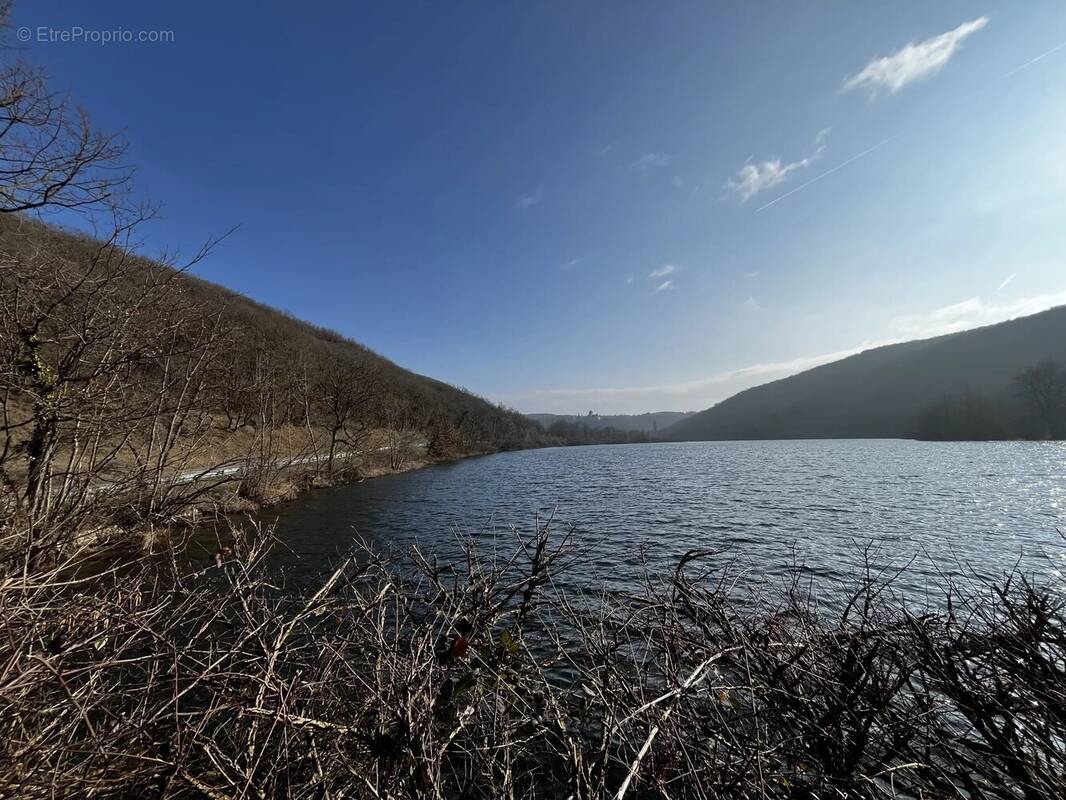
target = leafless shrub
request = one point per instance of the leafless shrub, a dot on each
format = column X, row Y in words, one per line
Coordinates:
column 483, row 677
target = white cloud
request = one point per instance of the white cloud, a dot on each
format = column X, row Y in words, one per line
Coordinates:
column 667, row 284
column 753, row 178
column 531, row 199
column 751, row 304
column 753, row 274
column 573, row 262
column 913, row 63
column 650, row 161
column 630, row 279
column 1006, row 281
column 971, row 313
column 604, row 150
column 663, row 271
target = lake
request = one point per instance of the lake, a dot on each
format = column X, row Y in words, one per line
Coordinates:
column 956, row 508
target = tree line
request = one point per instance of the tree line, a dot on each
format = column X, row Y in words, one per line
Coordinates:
column 1033, row 408
column 565, row 432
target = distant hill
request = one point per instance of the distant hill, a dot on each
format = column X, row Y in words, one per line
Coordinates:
column 650, row 422
column 884, row 391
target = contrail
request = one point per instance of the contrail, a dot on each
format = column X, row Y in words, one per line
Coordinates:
column 816, row 178
column 1032, row 61
column 854, row 158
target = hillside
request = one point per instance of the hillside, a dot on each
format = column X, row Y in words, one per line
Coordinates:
column 250, row 334
column 884, row 392
column 122, row 371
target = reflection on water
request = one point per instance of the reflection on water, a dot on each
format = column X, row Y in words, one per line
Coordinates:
column 957, row 506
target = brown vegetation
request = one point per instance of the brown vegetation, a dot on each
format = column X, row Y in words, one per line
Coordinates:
column 485, row 678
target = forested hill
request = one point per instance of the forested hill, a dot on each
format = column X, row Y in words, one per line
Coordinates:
column 90, row 329
column 962, row 385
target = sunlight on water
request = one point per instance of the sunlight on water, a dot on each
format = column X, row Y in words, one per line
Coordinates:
column 957, row 509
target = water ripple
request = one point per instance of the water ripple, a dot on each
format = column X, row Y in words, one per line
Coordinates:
column 962, row 507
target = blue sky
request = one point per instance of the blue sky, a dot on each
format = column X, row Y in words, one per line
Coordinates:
column 618, row 206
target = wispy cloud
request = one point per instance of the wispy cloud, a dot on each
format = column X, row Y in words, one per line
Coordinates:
column 755, row 177
column 569, row 265
column 971, row 313
column 604, row 149
column 827, row 173
column 1006, row 281
column 650, row 161
column 751, row 304
column 913, row 63
column 703, row 392
column 630, row 279
column 659, row 273
column 685, row 395
column 531, row 199
column 753, row 274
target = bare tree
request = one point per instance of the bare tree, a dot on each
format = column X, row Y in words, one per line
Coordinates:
column 233, row 379
column 51, row 155
column 442, row 432
column 401, row 433
column 1043, row 387
column 345, row 388
column 102, row 371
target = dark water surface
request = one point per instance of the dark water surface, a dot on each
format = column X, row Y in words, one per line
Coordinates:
column 959, row 507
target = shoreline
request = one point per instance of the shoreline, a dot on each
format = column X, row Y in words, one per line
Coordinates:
column 235, row 496
column 306, row 482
